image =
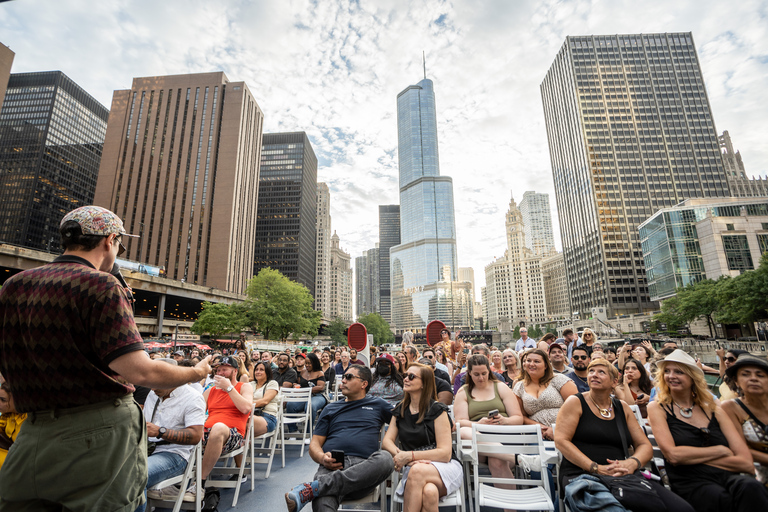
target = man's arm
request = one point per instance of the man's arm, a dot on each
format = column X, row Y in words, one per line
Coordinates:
column 291, row 377
column 137, row 368
column 188, row 435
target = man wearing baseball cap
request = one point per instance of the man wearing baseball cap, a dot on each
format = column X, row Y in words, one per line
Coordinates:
column 69, row 346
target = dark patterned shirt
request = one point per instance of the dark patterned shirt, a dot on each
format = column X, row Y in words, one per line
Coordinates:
column 62, row 324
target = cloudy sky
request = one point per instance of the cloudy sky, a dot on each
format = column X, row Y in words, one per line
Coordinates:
column 334, row 68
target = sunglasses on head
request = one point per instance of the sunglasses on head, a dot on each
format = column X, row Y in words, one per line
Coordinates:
column 580, row 358
column 411, row 376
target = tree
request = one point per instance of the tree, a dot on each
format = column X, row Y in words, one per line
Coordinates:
column 278, row 306
column 216, row 319
column 692, row 302
column 744, row 298
column 336, row 330
column 375, row 324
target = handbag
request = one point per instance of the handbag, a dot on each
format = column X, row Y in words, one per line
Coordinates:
column 633, row 491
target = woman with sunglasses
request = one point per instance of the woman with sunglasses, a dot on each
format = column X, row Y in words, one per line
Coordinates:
column 726, row 359
column 589, row 339
column 423, row 428
column 511, row 365
column 704, row 451
column 636, row 386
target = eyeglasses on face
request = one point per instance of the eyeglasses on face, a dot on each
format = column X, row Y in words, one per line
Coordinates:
column 580, row 358
column 120, row 249
column 411, row 376
column 350, row 376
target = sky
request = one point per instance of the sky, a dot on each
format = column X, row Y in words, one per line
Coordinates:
column 334, row 68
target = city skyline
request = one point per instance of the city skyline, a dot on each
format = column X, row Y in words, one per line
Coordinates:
column 333, row 72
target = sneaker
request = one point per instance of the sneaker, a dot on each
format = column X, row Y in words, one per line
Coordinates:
column 307, row 440
column 300, row 495
column 170, row 493
column 529, row 462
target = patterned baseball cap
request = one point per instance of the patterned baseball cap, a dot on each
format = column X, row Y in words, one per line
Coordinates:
column 95, row 220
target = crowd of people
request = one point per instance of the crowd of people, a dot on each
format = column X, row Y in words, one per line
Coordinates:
column 96, row 422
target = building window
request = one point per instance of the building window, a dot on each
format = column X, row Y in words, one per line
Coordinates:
column 762, row 240
column 729, row 227
column 765, row 226
column 737, row 252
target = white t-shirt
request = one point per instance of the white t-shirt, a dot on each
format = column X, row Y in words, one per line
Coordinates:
column 185, row 407
column 258, row 394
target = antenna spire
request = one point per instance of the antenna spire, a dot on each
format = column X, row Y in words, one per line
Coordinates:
column 424, row 60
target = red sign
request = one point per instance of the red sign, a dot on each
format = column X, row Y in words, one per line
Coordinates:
column 433, row 332
column 357, row 336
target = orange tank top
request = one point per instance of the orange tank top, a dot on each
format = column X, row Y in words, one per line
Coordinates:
column 221, row 409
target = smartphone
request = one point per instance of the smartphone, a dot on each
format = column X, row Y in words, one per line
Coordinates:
column 493, row 413
column 338, row 456
column 466, row 351
column 640, row 396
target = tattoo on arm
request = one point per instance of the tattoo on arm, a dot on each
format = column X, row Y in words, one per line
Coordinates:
column 181, row 436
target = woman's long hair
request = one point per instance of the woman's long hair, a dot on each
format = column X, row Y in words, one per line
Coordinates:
column 428, row 390
column 393, row 373
column 644, row 382
column 477, row 360
column 699, row 389
column 315, row 362
column 267, row 371
column 549, row 373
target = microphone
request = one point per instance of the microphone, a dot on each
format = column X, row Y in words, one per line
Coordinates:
column 116, row 272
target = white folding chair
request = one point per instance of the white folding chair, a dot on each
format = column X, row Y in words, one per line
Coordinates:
column 508, row 440
column 267, row 452
column 300, row 395
column 230, row 468
column 192, row 471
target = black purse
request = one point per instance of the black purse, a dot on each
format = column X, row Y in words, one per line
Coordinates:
column 633, row 491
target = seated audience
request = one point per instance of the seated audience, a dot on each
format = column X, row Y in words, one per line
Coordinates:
column 444, row 390
column 726, row 359
column 704, row 451
column 265, row 399
column 511, row 365
column 461, row 378
column 425, row 456
column 285, row 376
column 636, row 386
column 557, row 358
column 310, row 376
column 341, row 367
column 441, row 371
column 328, row 371
column 580, row 361
column 546, row 341
column 387, row 381
column 588, row 436
column 496, row 365
column 353, row 357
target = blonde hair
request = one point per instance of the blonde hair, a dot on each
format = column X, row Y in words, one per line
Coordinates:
column 588, row 331
column 612, row 371
column 699, row 389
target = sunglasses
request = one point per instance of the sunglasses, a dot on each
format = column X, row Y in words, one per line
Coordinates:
column 730, row 359
column 121, row 249
column 350, row 376
column 580, row 358
column 411, row 376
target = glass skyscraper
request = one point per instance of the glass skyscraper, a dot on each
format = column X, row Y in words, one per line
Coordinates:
column 630, row 132
column 424, row 268
column 51, row 141
column 389, row 236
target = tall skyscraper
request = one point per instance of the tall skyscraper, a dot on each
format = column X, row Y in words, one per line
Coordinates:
column 537, row 220
column 424, row 268
column 51, row 140
column 323, row 251
column 367, row 279
column 6, row 61
column 340, row 282
column 630, row 132
column 181, row 167
column 389, row 236
column 286, row 229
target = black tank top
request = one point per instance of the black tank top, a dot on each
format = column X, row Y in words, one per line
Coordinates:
column 596, row 438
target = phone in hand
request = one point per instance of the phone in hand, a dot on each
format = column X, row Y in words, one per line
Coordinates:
column 493, row 413
column 640, row 396
column 338, row 456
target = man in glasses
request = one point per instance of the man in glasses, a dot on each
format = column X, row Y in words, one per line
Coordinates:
column 580, row 361
column 351, row 426
column 82, row 442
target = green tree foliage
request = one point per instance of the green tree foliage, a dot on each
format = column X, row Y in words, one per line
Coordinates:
column 277, row 306
column 336, row 331
column 692, row 302
column 375, row 324
column 215, row 319
column 535, row 332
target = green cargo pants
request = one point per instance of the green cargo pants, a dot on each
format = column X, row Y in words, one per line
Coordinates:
column 89, row 458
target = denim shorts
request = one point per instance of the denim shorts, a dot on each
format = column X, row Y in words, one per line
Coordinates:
column 271, row 421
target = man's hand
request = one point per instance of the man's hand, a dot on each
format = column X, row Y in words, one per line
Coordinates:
column 153, row 430
column 330, row 463
column 222, row 383
column 203, row 367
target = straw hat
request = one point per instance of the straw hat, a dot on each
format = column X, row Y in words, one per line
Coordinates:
column 680, row 357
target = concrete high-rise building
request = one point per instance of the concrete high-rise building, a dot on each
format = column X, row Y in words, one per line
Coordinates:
column 738, row 181
column 286, row 229
column 537, row 220
column 51, row 141
column 467, row 274
column 367, row 279
column 424, row 265
column 556, row 293
column 389, row 236
column 514, row 284
column 340, row 282
column 181, row 168
column 630, row 132
column 323, row 250
column 6, row 61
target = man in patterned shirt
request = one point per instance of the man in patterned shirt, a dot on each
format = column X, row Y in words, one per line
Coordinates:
column 69, row 346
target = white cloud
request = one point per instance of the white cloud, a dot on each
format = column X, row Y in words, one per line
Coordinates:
column 334, row 68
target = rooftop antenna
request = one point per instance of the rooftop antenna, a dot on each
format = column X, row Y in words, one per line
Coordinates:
column 424, row 60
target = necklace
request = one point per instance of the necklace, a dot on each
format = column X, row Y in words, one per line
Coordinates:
column 685, row 412
column 605, row 413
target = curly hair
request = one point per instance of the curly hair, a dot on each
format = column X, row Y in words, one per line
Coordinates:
column 699, row 389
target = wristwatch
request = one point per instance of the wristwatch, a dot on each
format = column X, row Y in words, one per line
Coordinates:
column 162, row 430
column 230, row 388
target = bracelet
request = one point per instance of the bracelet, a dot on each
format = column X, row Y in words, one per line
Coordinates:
column 639, row 464
column 413, row 457
column 593, row 468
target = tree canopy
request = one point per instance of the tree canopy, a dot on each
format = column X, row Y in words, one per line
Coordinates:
column 216, row 319
column 375, row 324
column 336, row 330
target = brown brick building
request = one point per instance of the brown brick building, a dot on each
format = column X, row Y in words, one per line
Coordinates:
column 181, row 167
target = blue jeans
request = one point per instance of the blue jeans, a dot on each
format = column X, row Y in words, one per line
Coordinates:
column 161, row 466
column 318, row 402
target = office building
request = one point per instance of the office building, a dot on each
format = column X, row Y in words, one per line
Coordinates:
column 286, row 229
column 367, row 280
column 424, row 267
column 389, row 236
column 181, row 168
column 630, row 132
column 556, row 294
column 703, row 239
column 537, row 219
column 51, row 141
column 6, row 61
column 514, row 283
column 323, row 250
column 738, row 181
column 340, row 282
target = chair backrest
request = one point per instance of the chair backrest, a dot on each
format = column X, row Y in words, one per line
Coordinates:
column 296, row 394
